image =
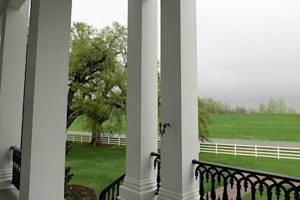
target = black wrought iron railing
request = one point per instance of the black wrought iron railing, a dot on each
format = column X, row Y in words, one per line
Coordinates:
column 225, row 182
column 16, row 171
column 113, row 190
column 157, row 165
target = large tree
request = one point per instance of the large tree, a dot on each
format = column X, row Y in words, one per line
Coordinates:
column 97, row 77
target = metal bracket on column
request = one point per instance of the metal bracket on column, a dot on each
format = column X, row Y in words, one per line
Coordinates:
column 162, row 127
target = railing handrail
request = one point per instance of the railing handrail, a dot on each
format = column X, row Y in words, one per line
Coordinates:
column 106, row 190
column 155, row 154
column 15, row 148
column 242, row 181
column 258, row 172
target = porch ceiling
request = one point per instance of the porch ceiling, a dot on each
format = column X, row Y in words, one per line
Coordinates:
column 12, row 3
column 2, row 2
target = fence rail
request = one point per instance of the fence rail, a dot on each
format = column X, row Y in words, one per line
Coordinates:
column 215, row 148
column 251, row 150
column 82, row 137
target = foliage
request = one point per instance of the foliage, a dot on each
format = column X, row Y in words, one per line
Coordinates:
column 97, row 78
column 216, row 107
column 275, row 106
column 213, row 106
column 203, row 124
column 68, row 174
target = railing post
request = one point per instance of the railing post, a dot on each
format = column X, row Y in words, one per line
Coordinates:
column 157, row 165
column 108, row 140
column 278, row 152
column 73, row 134
column 119, row 141
column 81, row 138
column 216, row 148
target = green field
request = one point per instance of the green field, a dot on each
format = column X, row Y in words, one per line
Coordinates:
column 98, row 167
column 282, row 127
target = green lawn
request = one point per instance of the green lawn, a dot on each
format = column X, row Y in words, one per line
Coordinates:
column 283, row 166
column 98, row 167
column 282, row 127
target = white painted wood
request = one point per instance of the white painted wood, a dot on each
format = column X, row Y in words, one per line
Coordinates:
column 12, row 71
column 9, row 194
column 140, row 180
column 179, row 145
column 44, row 129
column 17, row 4
column 252, row 150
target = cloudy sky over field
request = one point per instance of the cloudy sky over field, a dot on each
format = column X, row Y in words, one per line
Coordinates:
column 248, row 50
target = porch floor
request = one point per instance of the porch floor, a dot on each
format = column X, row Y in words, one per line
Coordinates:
column 9, row 194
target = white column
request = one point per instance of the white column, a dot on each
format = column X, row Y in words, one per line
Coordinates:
column 44, row 129
column 12, row 71
column 179, row 99
column 140, row 180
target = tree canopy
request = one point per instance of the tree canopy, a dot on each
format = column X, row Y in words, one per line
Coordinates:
column 97, row 75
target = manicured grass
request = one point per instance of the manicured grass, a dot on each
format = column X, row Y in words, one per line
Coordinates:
column 98, row 167
column 283, row 166
column 282, row 127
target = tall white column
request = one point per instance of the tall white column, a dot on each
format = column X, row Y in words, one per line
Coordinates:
column 179, row 99
column 43, row 141
column 140, row 180
column 12, row 71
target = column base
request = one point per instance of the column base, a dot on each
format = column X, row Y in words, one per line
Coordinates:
column 169, row 195
column 5, row 179
column 135, row 190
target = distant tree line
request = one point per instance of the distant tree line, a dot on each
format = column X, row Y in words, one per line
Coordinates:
column 273, row 106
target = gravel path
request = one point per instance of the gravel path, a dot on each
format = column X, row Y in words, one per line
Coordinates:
column 257, row 142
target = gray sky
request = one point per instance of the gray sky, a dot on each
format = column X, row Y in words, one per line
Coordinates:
column 248, row 50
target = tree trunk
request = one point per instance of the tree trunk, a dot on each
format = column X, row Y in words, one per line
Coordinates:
column 96, row 141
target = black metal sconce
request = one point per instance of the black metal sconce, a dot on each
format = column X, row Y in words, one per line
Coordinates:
column 163, row 127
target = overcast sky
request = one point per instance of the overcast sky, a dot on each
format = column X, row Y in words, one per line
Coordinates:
column 248, row 50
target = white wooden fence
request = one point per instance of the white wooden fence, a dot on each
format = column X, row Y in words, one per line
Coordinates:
column 81, row 137
column 251, row 150
column 215, row 148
